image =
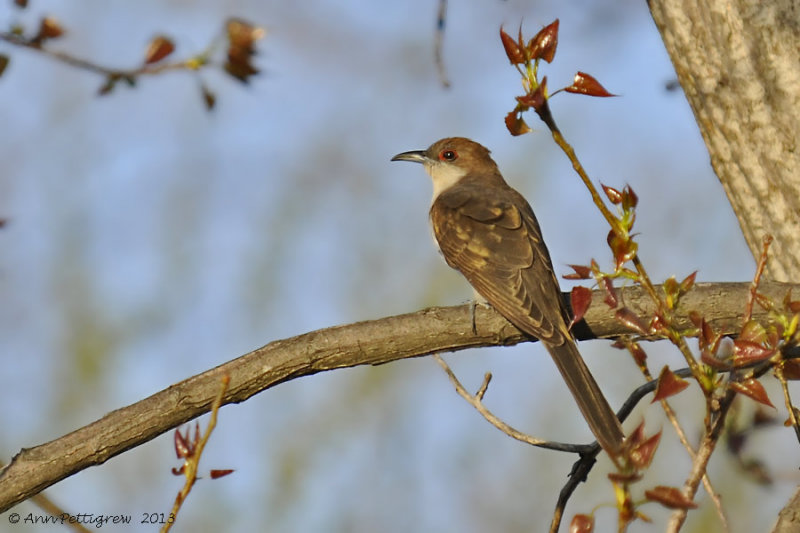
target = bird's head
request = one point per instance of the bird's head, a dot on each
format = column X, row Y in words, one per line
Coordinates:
column 448, row 160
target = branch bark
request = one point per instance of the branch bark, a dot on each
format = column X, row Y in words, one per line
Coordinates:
column 374, row 342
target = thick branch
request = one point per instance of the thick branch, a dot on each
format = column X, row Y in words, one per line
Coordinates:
column 372, row 342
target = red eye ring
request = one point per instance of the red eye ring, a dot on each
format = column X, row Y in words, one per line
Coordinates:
column 448, row 155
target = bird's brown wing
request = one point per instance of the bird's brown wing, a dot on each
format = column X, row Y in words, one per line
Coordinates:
column 494, row 240
column 491, row 236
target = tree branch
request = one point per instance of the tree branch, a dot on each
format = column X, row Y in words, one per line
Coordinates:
column 374, row 342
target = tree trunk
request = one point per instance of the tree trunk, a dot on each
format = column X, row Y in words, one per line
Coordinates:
column 738, row 62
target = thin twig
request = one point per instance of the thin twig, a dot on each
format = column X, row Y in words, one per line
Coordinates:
column 762, row 264
column 441, row 21
column 192, row 463
column 193, row 63
column 700, row 462
column 477, row 403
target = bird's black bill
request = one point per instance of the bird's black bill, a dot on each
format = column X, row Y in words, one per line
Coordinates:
column 415, row 156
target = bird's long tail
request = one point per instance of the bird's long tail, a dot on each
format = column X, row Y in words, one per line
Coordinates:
column 598, row 414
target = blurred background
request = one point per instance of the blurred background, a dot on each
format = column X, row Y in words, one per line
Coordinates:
column 148, row 240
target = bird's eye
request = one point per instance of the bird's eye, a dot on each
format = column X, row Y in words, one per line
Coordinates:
column 448, row 155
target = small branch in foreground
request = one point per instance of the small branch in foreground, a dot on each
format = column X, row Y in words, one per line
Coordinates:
column 192, row 456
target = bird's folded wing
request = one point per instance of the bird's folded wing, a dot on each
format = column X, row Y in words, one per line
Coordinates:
column 495, row 242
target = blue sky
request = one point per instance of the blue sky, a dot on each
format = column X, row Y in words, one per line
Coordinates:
column 150, row 240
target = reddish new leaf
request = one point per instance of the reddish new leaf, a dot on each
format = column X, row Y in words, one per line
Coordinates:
column 159, row 48
column 585, row 84
column 209, row 98
column 747, row 352
column 752, row 331
column 668, row 385
column 631, row 477
column 752, row 388
column 629, row 198
column 669, row 497
column 216, row 474
column 182, row 448
column 764, row 302
column 512, row 48
column 623, row 247
column 515, row 124
column 614, row 196
column 581, row 272
column 543, row 45
column 49, row 28
column 688, row 282
column 581, row 523
column 629, row 319
column 580, row 298
column 611, row 299
column 241, row 47
column 642, row 454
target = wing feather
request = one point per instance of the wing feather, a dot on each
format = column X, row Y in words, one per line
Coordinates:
column 493, row 239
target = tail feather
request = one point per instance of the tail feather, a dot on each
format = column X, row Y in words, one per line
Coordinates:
column 590, row 399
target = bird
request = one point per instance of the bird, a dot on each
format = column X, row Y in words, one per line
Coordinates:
column 487, row 231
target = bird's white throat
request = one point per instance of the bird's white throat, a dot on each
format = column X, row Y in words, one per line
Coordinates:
column 444, row 176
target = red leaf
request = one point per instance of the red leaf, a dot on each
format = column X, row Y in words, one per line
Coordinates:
column 581, row 272
column 585, row 84
column 629, row 198
column 216, row 474
column 642, row 454
column 49, row 28
column 543, row 45
column 580, row 298
column 209, row 98
column 515, row 124
column 631, row 477
column 182, row 449
column 614, row 196
column 159, row 48
column 623, row 247
column 669, row 497
column 581, row 523
column 688, row 282
column 746, row 352
column 764, row 301
column 629, row 319
column 752, row 331
column 611, row 299
column 668, row 385
column 513, row 50
column 752, row 388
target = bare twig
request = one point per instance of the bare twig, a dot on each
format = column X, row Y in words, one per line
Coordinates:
column 192, row 462
column 193, row 63
column 476, row 401
column 438, row 54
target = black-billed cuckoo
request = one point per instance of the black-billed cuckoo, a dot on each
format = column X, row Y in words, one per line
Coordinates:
column 487, row 231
